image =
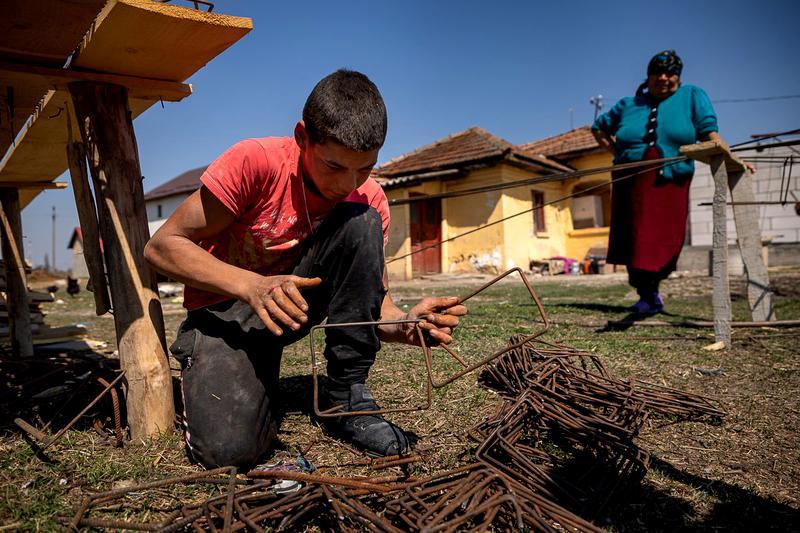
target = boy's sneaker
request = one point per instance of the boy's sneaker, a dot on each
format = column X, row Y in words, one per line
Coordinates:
column 373, row 433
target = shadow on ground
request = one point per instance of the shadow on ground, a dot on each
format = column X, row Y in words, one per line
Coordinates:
column 736, row 509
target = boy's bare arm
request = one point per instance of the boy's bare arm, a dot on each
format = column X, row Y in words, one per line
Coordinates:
column 174, row 251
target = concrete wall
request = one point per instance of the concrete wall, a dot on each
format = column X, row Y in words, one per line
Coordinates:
column 779, row 223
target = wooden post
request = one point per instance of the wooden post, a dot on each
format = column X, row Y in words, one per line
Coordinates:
column 19, row 316
column 87, row 214
column 721, row 298
column 748, row 233
column 729, row 172
column 107, row 130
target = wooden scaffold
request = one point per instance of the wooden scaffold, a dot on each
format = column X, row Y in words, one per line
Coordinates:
column 79, row 74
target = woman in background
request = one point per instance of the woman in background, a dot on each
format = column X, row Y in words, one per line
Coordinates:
column 649, row 210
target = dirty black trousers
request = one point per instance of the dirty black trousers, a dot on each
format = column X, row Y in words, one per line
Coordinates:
column 231, row 362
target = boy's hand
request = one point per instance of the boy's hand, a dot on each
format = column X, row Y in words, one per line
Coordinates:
column 277, row 300
column 441, row 317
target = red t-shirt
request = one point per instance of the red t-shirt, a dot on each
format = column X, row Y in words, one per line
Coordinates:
column 259, row 182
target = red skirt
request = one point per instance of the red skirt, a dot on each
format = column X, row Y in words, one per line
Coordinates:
column 648, row 219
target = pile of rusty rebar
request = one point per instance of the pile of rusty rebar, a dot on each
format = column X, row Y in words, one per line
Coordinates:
column 557, row 450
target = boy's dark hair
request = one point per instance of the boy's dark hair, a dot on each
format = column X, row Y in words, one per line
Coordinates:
column 347, row 107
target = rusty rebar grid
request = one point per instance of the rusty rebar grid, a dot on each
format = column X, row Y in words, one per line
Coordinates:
column 338, row 410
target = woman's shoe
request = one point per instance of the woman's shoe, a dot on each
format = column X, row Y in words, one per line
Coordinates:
column 648, row 307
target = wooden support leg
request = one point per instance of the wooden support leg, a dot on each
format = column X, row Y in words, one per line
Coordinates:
column 19, row 315
column 87, row 214
column 107, row 130
column 745, row 214
column 721, row 299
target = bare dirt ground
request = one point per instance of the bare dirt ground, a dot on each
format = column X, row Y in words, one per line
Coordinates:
column 740, row 475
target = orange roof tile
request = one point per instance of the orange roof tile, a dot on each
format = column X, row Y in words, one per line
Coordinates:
column 471, row 146
column 563, row 145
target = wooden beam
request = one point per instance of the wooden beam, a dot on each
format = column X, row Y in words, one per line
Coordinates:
column 87, row 215
column 721, row 297
column 46, row 78
column 33, row 185
column 103, row 112
column 16, row 282
column 705, row 152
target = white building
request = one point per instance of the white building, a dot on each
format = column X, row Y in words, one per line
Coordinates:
column 162, row 201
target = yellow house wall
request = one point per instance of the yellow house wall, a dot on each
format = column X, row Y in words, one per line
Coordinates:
column 507, row 244
column 482, row 250
column 579, row 241
column 399, row 238
column 523, row 244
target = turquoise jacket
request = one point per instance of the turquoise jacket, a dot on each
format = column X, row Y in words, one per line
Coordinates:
column 682, row 118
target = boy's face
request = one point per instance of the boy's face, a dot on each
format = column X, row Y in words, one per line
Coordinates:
column 335, row 170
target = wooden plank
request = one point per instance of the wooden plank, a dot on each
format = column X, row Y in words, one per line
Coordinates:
column 16, row 283
column 159, row 41
column 133, row 38
column 33, row 297
column 34, row 185
column 41, row 150
column 748, row 233
column 44, row 79
column 707, row 151
column 44, row 32
column 87, row 215
column 102, row 110
column 721, row 297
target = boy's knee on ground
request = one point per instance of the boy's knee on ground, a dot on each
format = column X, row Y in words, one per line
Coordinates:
column 241, row 449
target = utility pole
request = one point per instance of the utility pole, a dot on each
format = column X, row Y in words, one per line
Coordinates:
column 54, row 240
column 597, row 102
column 571, row 116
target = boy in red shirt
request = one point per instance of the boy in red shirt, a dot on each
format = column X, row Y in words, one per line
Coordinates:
column 283, row 233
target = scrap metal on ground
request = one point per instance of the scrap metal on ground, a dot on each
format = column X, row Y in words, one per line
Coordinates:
column 558, row 450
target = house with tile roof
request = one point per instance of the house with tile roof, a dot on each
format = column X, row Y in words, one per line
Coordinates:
column 162, row 201
column 475, row 158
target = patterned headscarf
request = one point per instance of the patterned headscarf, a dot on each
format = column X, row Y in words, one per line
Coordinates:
column 666, row 61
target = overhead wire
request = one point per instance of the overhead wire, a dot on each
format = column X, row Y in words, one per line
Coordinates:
column 755, row 99
column 542, row 206
column 534, row 181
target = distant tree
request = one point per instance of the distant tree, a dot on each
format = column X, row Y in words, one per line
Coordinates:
column 46, row 263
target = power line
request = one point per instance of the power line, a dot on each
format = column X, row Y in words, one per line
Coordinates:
column 760, row 138
column 535, row 181
column 756, row 99
column 551, row 202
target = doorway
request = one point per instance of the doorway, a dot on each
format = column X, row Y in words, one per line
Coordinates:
column 426, row 230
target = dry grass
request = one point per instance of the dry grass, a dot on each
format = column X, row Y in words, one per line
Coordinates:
column 742, row 475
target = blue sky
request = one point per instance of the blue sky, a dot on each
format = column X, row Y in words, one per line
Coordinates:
column 513, row 68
